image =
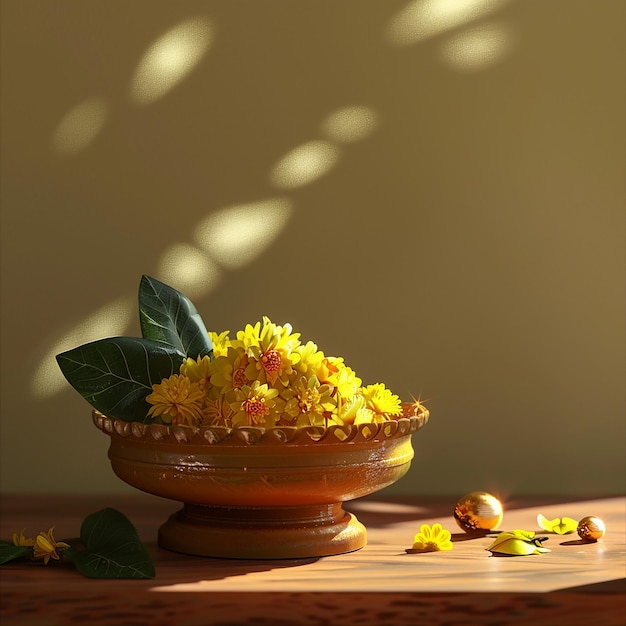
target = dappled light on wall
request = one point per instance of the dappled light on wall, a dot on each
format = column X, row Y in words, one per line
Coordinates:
column 169, row 59
column 477, row 48
column 231, row 237
column 236, row 235
column 189, row 270
column 349, row 124
column 109, row 321
column 79, row 127
column 304, row 164
column 422, row 19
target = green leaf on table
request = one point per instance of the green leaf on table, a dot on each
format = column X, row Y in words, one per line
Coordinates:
column 112, row 548
column 115, row 375
column 166, row 315
column 10, row 552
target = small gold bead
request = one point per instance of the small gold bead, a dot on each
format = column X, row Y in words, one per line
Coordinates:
column 478, row 512
column 591, row 528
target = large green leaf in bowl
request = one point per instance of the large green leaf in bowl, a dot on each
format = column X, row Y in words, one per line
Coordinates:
column 166, row 315
column 115, row 375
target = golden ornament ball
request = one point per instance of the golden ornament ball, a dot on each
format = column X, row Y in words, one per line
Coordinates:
column 591, row 528
column 478, row 512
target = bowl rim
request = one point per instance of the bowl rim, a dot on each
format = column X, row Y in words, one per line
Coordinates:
column 396, row 428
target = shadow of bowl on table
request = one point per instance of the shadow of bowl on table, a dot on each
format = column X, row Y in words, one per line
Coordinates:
column 194, row 569
column 382, row 512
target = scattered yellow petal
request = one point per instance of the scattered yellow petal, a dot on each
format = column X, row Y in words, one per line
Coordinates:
column 21, row 540
column 558, row 525
column 46, row 546
column 517, row 543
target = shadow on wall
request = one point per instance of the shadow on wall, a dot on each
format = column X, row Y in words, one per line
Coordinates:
column 233, row 236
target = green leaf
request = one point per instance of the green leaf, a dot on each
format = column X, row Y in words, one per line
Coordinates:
column 166, row 315
column 112, row 548
column 10, row 552
column 115, row 375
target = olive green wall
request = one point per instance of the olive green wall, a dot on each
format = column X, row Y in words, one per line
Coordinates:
column 432, row 189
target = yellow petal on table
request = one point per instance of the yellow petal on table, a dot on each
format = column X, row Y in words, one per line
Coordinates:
column 517, row 543
column 558, row 525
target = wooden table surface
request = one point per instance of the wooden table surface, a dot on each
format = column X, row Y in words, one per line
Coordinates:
column 575, row 584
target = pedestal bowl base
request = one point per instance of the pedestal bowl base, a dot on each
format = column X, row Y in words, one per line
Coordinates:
column 275, row 532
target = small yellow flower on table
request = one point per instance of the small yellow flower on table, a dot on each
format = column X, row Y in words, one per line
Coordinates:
column 431, row 539
column 46, row 547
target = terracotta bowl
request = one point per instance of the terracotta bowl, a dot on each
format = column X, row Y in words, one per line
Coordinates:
column 261, row 493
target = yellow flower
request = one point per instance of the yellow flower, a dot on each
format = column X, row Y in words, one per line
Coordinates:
column 310, row 359
column 247, row 337
column 432, row 539
column 217, row 411
column 558, row 525
column 353, row 411
column 20, row 540
column 197, row 371
column 381, row 401
column 46, row 545
column 332, row 370
column 177, row 400
column 309, row 401
column 221, row 342
column 272, row 350
column 228, row 371
column 328, row 367
column 253, row 405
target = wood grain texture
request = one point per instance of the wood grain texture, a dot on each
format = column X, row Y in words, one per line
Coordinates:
column 575, row 585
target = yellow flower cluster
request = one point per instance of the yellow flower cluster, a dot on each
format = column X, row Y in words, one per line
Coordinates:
column 266, row 377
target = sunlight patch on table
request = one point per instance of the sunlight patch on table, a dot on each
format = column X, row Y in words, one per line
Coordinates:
column 109, row 321
column 79, row 127
column 169, row 59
